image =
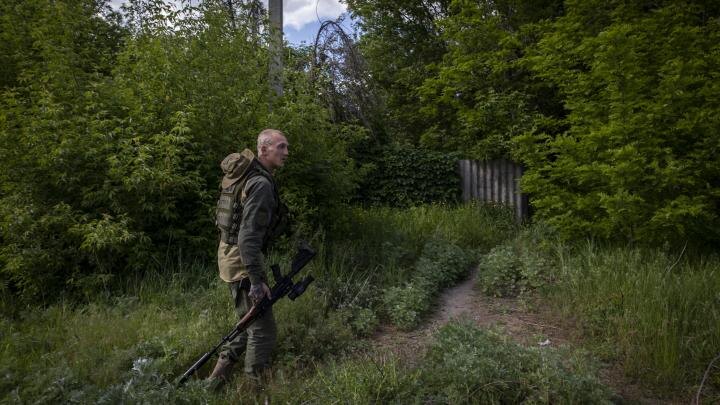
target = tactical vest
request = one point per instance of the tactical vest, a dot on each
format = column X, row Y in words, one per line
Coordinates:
column 229, row 211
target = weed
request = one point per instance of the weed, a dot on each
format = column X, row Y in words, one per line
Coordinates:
column 519, row 266
column 659, row 314
column 441, row 265
column 467, row 364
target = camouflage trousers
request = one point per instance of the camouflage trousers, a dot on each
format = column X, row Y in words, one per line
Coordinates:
column 257, row 341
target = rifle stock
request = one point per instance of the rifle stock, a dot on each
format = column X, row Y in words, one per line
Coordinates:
column 284, row 285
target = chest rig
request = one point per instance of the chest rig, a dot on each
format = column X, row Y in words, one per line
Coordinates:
column 229, row 210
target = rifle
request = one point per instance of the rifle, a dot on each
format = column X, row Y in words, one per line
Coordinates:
column 284, row 285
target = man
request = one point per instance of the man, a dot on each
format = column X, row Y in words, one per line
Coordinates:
column 249, row 216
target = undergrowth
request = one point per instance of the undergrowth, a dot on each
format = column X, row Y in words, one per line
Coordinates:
column 465, row 364
column 130, row 347
column 657, row 313
column 653, row 312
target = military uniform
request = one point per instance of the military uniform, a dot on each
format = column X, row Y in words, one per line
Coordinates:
column 249, row 216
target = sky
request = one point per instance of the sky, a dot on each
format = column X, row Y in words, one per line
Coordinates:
column 301, row 18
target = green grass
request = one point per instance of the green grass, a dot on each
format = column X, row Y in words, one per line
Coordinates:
column 656, row 314
column 123, row 347
column 465, row 364
column 660, row 315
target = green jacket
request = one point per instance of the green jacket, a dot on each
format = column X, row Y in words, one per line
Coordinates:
column 260, row 203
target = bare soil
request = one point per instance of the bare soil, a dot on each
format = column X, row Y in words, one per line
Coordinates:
column 536, row 326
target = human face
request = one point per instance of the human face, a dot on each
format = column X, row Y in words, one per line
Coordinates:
column 275, row 154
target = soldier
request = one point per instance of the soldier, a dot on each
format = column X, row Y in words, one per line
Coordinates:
column 249, row 216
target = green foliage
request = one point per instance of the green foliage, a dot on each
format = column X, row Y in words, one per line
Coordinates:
column 400, row 41
column 307, row 331
column 519, row 266
column 404, row 176
column 441, row 265
column 609, row 105
column 467, row 364
column 637, row 160
column 112, row 134
column 367, row 379
column 363, row 321
column 131, row 348
column 407, row 305
column 482, row 94
column 653, row 310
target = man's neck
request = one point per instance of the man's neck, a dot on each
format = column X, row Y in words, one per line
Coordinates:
column 265, row 166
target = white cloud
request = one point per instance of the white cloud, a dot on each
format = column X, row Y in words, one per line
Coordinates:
column 296, row 13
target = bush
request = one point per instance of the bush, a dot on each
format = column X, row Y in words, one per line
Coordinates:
column 407, row 304
column 101, row 178
column 441, row 265
column 635, row 156
column 519, row 266
column 499, row 273
column 407, row 176
column 363, row 321
column 308, row 330
column 466, row 364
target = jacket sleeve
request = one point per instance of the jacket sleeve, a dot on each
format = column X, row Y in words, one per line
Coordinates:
column 258, row 207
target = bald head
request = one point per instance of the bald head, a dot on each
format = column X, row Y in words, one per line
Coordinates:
column 272, row 147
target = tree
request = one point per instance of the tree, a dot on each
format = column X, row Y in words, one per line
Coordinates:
column 638, row 160
column 482, row 94
column 400, row 40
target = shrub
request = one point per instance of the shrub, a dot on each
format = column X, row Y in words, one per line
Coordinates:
column 406, row 176
column 519, row 266
column 466, row 364
column 363, row 321
column 441, row 265
column 407, row 304
column 103, row 171
column 499, row 273
column 636, row 154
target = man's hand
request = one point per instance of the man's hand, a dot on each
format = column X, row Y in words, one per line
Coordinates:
column 258, row 291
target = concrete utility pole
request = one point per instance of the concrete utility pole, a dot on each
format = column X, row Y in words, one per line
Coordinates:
column 275, row 9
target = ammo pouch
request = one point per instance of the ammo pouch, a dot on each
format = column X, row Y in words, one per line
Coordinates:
column 229, row 213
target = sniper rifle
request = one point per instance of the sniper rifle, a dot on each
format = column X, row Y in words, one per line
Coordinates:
column 284, row 285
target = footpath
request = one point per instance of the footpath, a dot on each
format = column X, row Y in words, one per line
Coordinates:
column 525, row 326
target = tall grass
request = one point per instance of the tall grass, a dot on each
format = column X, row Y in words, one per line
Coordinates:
column 464, row 365
column 49, row 353
column 128, row 344
column 660, row 314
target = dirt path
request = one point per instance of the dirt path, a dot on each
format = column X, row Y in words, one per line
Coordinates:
column 536, row 327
